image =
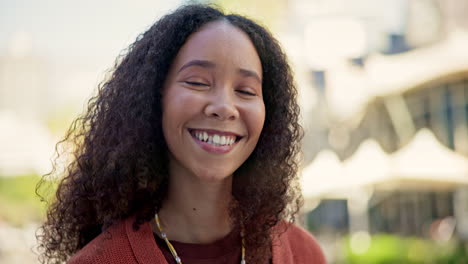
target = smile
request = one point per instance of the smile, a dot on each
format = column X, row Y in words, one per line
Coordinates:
column 215, row 141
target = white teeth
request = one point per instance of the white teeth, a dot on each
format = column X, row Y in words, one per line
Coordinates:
column 199, row 136
column 214, row 139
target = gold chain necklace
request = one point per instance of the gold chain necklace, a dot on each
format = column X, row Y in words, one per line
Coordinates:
column 174, row 252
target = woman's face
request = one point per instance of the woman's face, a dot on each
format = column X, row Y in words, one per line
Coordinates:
column 213, row 110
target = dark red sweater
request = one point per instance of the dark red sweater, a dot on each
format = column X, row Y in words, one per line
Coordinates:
column 226, row 250
column 120, row 244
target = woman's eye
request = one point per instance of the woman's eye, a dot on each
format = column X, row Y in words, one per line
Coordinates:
column 244, row 92
column 196, row 83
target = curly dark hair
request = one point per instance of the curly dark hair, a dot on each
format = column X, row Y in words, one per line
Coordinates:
column 119, row 155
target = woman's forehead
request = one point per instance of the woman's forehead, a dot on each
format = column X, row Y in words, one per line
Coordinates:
column 221, row 43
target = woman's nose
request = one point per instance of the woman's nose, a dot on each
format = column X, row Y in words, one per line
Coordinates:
column 222, row 105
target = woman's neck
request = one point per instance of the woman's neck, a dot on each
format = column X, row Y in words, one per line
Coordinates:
column 196, row 211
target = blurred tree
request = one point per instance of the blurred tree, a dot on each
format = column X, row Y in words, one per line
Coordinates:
column 18, row 202
column 60, row 119
column 268, row 13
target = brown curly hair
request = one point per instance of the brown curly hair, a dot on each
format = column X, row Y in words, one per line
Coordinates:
column 119, row 166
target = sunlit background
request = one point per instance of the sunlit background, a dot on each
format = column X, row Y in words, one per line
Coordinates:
column 384, row 96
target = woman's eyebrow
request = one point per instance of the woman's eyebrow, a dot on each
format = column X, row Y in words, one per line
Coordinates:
column 249, row 73
column 210, row 64
column 201, row 63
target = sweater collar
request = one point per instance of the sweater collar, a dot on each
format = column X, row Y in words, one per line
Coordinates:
column 143, row 244
column 146, row 251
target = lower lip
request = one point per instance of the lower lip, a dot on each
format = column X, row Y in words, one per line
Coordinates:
column 212, row 148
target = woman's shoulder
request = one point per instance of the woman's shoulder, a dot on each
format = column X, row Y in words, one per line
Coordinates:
column 111, row 246
column 293, row 244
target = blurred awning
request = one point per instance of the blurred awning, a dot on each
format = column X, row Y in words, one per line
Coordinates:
column 324, row 174
column 423, row 163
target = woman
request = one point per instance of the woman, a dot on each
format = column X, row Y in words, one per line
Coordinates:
column 187, row 154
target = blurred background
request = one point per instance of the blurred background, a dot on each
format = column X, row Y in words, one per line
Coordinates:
column 384, row 95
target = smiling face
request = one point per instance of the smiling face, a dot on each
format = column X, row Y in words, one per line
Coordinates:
column 213, row 110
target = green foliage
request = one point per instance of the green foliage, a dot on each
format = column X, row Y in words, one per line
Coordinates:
column 391, row 249
column 18, row 201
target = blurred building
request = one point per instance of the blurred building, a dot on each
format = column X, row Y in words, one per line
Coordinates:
column 24, row 82
column 383, row 75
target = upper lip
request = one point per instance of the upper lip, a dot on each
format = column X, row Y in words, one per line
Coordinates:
column 218, row 132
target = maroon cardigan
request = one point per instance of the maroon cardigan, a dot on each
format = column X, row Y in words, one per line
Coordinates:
column 121, row 244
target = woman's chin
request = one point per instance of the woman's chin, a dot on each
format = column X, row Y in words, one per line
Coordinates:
column 213, row 176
